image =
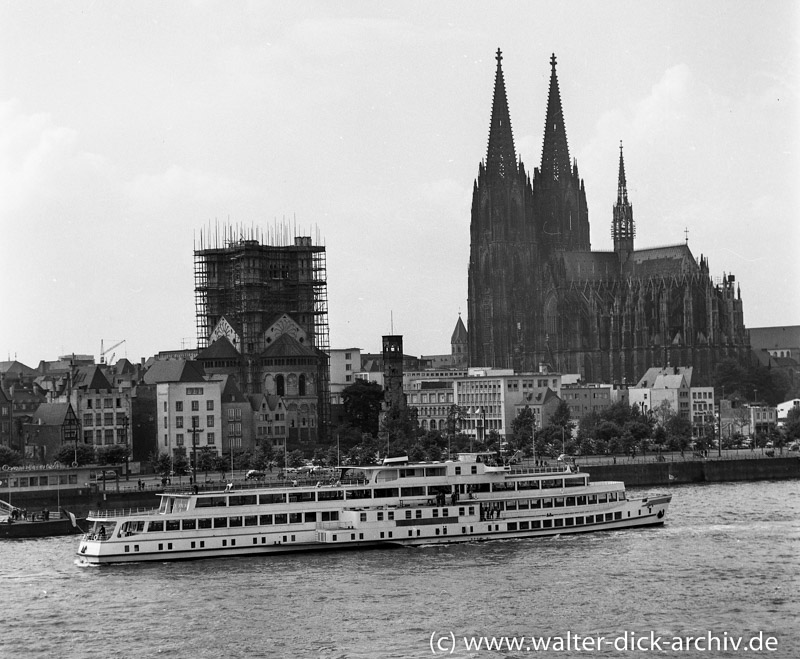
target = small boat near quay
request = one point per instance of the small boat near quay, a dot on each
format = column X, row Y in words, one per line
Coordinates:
column 18, row 523
column 397, row 503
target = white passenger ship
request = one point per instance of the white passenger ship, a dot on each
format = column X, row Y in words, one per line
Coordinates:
column 393, row 504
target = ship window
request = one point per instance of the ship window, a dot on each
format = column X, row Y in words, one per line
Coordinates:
column 352, row 536
column 460, row 511
column 235, row 521
column 255, row 541
column 458, row 471
column 472, row 510
column 590, row 519
column 295, row 518
column 169, row 545
column 251, row 520
column 173, row 525
column 204, row 523
column 524, row 504
column 579, row 521
column 330, row 495
column 558, row 502
column 390, row 534
column 155, row 526
column 242, row 500
column 362, row 517
column 359, row 494
column 160, row 546
column 559, row 522
column 381, row 535
column 523, row 526
column 380, row 517
column 547, row 523
column 570, row 501
column 333, row 537
column 435, row 512
column 271, row 498
column 547, row 503
column 410, row 533
column 189, row 524
column 281, row 519
column 591, row 499
column 609, row 516
column 331, row 516
column 445, row 512
column 360, row 536
column 569, row 521
column 536, row 524
column 294, row 497
column 193, row 544
column 618, row 515
column 224, row 543
column 612, row 496
column 311, row 517
column 413, row 491
column 408, row 514
column 573, row 482
column 390, row 515
column 220, row 522
column 387, row 492
column 437, row 531
column 512, row 526
column 127, row 547
column 419, row 514
column 602, row 498
column 474, row 469
column 581, row 501
column 511, row 505
column 202, row 544
column 265, row 519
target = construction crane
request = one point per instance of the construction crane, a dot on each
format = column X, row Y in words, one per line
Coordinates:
column 103, row 353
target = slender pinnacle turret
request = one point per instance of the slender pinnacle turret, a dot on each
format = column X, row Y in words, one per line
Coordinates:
column 500, row 155
column 555, row 152
column 623, row 228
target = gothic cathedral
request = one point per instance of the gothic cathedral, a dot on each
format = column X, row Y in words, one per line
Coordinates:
column 539, row 295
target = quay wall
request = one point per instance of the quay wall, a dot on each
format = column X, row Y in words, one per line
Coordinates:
column 696, row 471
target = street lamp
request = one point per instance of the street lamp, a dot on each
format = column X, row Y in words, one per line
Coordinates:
column 194, row 431
column 125, row 422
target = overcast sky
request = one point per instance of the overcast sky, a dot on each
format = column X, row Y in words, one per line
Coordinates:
column 127, row 127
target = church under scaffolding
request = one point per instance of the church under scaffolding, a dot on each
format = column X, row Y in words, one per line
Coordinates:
column 261, row 310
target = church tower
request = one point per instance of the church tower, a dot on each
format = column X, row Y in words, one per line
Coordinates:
column 561, row 212
column 623, row 229
column 502, row 248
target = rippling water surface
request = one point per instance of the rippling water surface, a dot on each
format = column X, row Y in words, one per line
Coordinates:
column 727, row 561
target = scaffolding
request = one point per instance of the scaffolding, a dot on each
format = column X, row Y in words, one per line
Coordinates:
column 251, row 277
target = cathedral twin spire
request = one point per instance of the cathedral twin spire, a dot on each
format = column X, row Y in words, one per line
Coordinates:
column 555, row 152
column 501, row 157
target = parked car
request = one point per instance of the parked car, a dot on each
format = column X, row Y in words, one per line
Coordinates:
column 253, row 474
column 109, row 475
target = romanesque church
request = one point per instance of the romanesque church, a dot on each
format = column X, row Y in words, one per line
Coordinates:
column 538, row 294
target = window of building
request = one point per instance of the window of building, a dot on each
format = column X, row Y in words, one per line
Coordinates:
column 179, row 422
column 210, row 421
column 195, row 405
column 179, row 406
column 210, row 438
column 209, row 405
column 179, row 439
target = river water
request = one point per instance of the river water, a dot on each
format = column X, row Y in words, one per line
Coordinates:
column 726, row 565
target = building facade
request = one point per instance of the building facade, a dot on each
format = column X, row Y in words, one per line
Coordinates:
column 537, row 293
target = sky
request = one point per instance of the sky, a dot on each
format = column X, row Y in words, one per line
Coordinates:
column 128, row 128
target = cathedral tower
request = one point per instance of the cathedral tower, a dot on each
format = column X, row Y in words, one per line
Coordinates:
column 502, row 248
column 561, row 212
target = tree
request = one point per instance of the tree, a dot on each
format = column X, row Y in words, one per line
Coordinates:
column 161, row 463
column 82, row 453
column 792, row 426
column 9, row 457
column 562, row 417
column 400, row 423
column 295, row 459
column 206, row 460
column 112, row 455
column 679, row 432
column 521, row 430
column 362, row 405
